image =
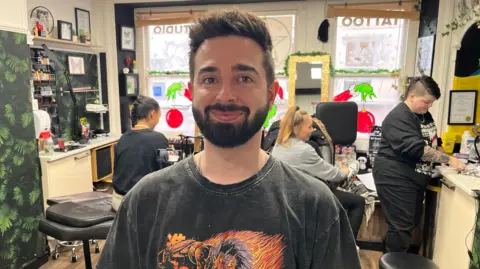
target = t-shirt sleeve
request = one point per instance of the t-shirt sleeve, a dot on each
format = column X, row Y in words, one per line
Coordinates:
column 403, row 135
column 121, row 249
column 336, row 248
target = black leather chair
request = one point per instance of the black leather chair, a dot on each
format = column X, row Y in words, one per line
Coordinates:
column 400, row 260
column 82, row 217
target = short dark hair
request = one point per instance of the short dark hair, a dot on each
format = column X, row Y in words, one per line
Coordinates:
column 142, row 107
column 232, row 23
column 430, row 85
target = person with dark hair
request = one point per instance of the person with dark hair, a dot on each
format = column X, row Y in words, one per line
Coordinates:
column 136, row 150
column 403, row 166
column 269, row 214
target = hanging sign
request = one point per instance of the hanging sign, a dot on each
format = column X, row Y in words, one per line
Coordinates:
column 359, row 22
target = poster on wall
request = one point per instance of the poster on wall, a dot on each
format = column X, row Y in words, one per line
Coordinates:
column 82, row 20
column 424, row 61
column 463, row 107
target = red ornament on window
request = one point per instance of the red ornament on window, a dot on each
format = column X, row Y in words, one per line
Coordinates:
column 188, row 94
column 174, row 118
column 365, row 122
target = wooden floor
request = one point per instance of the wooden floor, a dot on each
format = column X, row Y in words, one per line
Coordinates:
column 368, row 258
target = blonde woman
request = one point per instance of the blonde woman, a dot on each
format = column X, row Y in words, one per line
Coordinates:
column 295, row 129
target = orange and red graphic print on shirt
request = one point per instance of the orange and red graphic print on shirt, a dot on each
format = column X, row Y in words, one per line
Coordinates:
column 228, row 250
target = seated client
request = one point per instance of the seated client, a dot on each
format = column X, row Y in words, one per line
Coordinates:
column 136, row 151
column 295, row 130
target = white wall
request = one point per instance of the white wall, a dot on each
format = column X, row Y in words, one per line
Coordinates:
column 445, row 56
column 63, row 10
column 13, row 16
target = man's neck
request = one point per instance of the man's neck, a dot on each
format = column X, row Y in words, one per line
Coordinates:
column 231, row 165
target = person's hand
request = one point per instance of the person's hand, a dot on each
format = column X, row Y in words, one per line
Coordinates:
column 456, row 163
column 345, row 170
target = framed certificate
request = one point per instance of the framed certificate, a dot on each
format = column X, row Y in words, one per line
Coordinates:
column 463, row 107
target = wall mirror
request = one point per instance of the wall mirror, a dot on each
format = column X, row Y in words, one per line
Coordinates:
column 308, row 78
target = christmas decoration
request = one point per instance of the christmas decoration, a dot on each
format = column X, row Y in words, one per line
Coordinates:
column 365, row 121
column 174, row 118
column 173, row 89
column 271, row 113
column 187, row 94
column 314, row 53
column 280, row 92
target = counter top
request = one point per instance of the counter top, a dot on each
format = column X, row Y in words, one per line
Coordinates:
column 97, row 142
column 466, row 183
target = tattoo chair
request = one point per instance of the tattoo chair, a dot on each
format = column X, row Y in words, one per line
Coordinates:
column 80, row 217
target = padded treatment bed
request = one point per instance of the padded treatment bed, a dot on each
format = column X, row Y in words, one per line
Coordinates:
column 80, row 217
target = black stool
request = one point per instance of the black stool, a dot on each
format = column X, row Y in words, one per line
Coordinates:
column 400, row 260
column 82, row 221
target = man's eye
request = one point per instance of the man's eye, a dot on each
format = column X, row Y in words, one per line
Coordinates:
column 209, row 80
column 245, row 79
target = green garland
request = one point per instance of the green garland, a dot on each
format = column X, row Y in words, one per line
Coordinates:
column 367, row 71
column 333, row 71
column 314, row 53
column 174, row 72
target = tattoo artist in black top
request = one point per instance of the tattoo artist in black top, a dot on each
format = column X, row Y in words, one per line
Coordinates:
column 403, row 148
column 136, row 151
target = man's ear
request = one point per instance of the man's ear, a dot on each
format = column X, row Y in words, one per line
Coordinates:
column 272, row 93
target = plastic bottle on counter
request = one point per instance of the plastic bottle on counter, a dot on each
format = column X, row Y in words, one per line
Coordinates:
column 48, row 145
column 467, row 142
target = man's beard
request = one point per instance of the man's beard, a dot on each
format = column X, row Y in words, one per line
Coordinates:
column 229, row 135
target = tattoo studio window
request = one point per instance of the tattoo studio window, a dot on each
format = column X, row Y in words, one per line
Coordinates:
column 369, row 54
column 167, row 56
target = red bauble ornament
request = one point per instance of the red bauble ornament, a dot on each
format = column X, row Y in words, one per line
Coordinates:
column 174, row 118
column 365, row 122
column 187, row 94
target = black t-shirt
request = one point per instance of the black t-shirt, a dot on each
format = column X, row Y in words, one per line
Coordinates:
column 429, row 134
column 278, row 218
column 135, row 157
column 400, row 150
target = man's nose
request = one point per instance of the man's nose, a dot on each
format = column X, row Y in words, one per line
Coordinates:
column 226, row 94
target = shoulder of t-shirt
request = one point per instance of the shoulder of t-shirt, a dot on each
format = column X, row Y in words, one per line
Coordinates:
column 400, row 113
column 308, row 189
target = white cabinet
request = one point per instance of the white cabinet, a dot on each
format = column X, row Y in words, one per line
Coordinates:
column 455, row 221
column 66, row 176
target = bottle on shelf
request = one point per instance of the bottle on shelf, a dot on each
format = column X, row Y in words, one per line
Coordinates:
column 467, row 142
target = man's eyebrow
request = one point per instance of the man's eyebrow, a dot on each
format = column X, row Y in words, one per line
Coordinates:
column 207, row 69
column 244, row 67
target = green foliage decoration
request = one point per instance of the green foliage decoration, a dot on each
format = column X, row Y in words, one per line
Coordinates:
column 20, row 186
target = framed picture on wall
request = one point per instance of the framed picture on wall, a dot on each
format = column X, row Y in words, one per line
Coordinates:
column 129, row 85
column 424, row 58
column 462, row 108
column 65, row 30
column 76, row 65
column 82, row 20
column 127, row 38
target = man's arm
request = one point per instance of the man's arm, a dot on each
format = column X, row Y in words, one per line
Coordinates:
column 434, row 156
column 335, row 248
column 121, row 249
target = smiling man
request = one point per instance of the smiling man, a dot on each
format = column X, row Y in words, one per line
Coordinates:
column 230, row 206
